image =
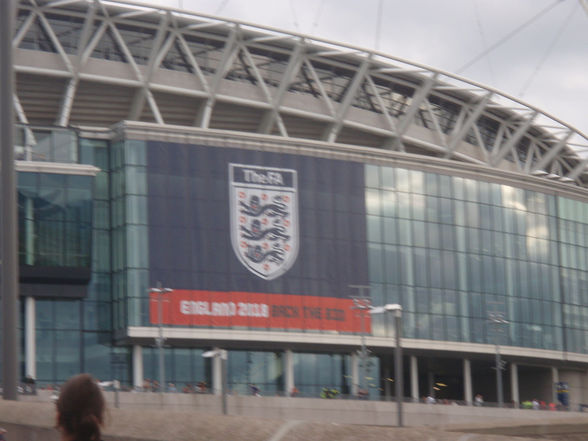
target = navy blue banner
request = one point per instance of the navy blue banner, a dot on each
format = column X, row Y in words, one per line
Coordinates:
column 225, row 219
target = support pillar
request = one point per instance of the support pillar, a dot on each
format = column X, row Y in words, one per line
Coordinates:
column 387, row 380
column 431, row 383
column 354, row 374
column 554, row 381
column 30, row 338
column 138, row 367
column 414, row 378
column 467, row 382
column 217, row 377
column 288, row 372
column 514, row 384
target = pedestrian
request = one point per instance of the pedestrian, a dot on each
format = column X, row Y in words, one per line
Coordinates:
column 80, row 409
column 255, row 390
column 478, row 400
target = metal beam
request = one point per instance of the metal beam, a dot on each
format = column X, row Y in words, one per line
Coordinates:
column 460, row 133
column 264, row 89
column 512, row 141
column 70, row 92
column 389, row 119
column 23, row 29
column 67, row 102
column 320, row 86
column 553, row 152
column 229, row 54
column 92, row 45
column 294, row 64
column 417, row 100
column 578, row 169
column 158, row 51
column 407, row 119
column 441, row 137
column 193, row 62
column 350, row 94
column 56, row 42
column 531, row 154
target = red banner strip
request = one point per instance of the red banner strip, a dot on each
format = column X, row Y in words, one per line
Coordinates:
column 256, row 310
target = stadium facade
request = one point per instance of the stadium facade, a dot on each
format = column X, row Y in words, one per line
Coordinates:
column 262, row 175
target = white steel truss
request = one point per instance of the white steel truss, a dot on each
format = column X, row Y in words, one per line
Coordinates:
column 82, row 62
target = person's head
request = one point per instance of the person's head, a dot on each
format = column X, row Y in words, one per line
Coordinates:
column 80, row 409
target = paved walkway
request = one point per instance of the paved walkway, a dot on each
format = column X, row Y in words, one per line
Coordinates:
column 34, row 421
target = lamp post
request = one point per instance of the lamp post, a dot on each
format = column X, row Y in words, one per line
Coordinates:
column 362, row 304
column 160, row 339
column 399, row 386
column 398, row 375
column 497, row 318
column 8, row 207
column 222, row 354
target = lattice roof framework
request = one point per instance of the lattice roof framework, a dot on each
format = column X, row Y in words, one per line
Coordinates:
column 94, row 63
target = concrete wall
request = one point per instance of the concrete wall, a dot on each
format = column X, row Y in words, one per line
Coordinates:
column 262, row 418
column 578, row 385
column 339, row 411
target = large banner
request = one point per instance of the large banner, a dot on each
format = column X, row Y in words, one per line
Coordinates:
column 256, row 310
column 255, row 239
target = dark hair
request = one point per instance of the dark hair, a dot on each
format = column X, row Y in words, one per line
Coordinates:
column 80, row 408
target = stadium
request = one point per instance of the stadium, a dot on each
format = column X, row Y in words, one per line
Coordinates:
column 212, row 184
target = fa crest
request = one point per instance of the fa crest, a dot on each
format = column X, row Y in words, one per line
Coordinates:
column 264, row 218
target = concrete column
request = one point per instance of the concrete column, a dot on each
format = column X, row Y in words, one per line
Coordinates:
column 354, row 374
column 30, row 338
column 514, row 384
column 288, row 372
column 554, row 380
column 431, row 383
column 467, row 382
column 414, row 378
column 138, row 376
column 387, row 381
column 217, row 380
column 29, row 233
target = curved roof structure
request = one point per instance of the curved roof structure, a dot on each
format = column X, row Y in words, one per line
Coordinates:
column 95, row 63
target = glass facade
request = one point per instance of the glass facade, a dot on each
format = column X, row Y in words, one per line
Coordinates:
column 130, row 253
column 54, row 219
column 184, row 367
column 46, row 144
column 264, row 370
column 64, row 221
column 58, row 340
column 315, row 371
column 453, row 250
column 450, row 250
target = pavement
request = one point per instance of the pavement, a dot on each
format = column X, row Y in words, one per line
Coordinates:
column 30, row 421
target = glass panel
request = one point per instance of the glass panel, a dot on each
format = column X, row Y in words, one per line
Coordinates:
column 67, row 314
column 67, row 354
column 372, row 176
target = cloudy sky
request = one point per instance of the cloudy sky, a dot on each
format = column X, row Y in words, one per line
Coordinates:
column 545, row 62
